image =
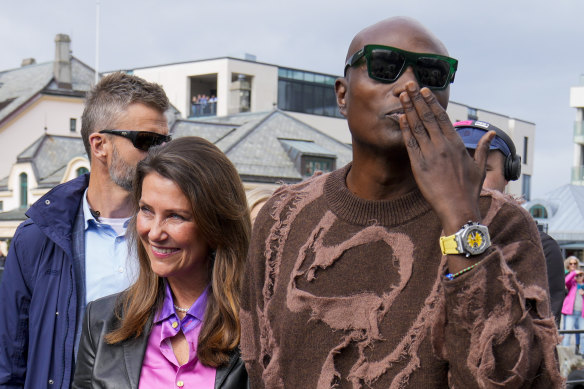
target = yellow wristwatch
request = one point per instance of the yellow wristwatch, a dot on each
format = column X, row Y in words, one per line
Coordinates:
column 472, row 239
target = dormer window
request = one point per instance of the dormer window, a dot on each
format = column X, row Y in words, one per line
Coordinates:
column 311, row 164
column 538, row 211
column 308, row 157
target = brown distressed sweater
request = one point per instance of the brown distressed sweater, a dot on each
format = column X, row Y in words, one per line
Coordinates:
column 348, row 293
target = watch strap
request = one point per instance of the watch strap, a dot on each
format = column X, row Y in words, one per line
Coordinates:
column 448, row 245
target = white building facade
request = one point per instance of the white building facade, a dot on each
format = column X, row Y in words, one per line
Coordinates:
column 43, row 98
column 577, row 101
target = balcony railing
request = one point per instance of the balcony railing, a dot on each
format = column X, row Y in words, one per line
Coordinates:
column 578, row 175
column 563, row 332
column 207, row 109
column 579, row 132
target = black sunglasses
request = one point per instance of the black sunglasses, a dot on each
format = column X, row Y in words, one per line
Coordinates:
column 386, row 64
column 142, row 140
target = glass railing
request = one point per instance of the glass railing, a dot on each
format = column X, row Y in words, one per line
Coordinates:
column 203, row 109
column 579, row 132
column 578, row 175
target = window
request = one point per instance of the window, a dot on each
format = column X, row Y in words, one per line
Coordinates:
column 307, row 92
column 526, row 187
column 311, row 164
column 1, row 205
column 308, row 157
column 81, row 171
column 72, row 125
column 525, row 144
column 23, row 190
column 472, row 114
column 538, row 211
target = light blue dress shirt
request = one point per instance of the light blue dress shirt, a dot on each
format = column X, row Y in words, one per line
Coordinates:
column 108, row 267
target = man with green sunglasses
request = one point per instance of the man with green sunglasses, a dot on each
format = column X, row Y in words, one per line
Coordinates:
column 395, row 271
column 386, row 64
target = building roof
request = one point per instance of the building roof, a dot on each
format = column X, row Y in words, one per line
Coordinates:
column 49, row 156
column 296, row 146
column 13, row 215
column 565, row 213
column 258, row 144
column 20, row 86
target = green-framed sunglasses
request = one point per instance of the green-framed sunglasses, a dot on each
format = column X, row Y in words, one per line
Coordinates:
column 386, row 64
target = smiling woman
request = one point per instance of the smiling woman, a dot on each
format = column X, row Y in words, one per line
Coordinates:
column 170, row 236
column 179, row 322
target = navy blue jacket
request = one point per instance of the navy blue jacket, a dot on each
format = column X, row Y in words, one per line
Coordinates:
column 39, row 294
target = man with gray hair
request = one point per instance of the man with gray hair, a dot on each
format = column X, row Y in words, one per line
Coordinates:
column 72, row 249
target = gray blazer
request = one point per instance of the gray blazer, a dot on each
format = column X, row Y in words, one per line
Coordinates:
column 102, row 365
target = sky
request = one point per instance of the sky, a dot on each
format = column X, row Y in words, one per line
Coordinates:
column 516, row 58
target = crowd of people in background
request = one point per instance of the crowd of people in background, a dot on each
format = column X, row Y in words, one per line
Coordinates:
column 203, row 105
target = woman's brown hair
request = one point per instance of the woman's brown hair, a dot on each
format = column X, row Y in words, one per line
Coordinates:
column 212, row 185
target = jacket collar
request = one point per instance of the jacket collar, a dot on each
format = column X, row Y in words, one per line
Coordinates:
column 54, row 213
column 134, row 347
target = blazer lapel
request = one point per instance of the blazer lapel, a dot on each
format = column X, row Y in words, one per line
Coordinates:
column 223, row 371
column 134, row 350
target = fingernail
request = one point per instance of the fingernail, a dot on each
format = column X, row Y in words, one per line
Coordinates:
column 425, row 92
column 411, row 86
column 404, row 97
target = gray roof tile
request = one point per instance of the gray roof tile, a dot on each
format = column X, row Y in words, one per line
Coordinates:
column 50, row 155
column 565, row 208
column 255, row 146
column 23, row 83
column 17, row 86
column 15, row 214
column 213, row 132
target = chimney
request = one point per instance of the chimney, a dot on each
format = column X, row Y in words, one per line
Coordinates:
column 62, row 64
column 27, row 61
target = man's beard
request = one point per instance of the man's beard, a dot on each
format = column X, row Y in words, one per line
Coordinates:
column 121, row 173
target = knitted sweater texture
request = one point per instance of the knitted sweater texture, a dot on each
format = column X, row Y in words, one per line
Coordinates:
column 342, row 292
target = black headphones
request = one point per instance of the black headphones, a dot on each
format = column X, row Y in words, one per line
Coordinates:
column 512, row 168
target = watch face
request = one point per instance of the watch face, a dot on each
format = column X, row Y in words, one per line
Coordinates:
column 476, row 240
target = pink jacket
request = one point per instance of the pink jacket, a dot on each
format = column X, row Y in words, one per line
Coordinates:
column 572, row 287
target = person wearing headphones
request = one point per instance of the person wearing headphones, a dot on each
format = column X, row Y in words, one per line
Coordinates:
column 504, row 165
